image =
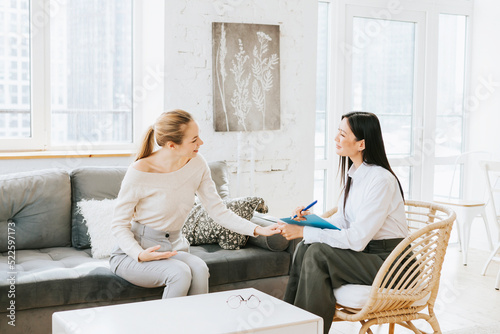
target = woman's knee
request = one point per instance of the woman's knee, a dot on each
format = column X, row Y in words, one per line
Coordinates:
column 319, row 249
column 199, row 269
column 316, row 249
column 197, row 265
column 179, row 272
column 317, row 254
column 202, row 269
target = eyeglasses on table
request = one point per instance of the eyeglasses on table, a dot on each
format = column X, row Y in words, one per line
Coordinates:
column 236, row 300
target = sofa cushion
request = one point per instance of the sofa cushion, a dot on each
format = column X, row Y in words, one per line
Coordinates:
column 39, row 205
column 104, row 183
column 65, row 275
column 200, row 228
column 91, row 183
column 97, row 217
column 251, row 262
column 62, row 276
column 356, row 296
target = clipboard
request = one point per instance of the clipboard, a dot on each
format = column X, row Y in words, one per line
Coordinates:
column 311, row 220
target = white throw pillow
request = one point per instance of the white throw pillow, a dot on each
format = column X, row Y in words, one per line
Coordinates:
column 97, row 215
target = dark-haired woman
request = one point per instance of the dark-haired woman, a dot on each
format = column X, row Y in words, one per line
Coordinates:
column 370, row 214
column 155, row 197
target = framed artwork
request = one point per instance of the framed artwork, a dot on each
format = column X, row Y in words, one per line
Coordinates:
column 246, row 76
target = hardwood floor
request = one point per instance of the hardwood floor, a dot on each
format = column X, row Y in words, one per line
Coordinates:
column 467, row 302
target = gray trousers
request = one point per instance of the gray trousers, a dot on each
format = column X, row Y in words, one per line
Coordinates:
column 181, row 275
column 318, row 268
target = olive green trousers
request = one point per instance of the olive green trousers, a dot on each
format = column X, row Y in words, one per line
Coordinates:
column 318, row 268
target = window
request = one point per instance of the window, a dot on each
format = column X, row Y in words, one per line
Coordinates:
column 383, row 77
column 13, row 123
column 450, row 104
column 89, row 52
column 26, row 98
column 13, row 107
column 321, row 133
column 13, row 71
column 13, row 95
column 94, row 83
column 385, row 55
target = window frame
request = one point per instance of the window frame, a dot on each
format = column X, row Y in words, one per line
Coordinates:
column 424, row 120
column 144, row 62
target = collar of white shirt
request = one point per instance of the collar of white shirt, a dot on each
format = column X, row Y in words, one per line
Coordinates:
column 358, row 173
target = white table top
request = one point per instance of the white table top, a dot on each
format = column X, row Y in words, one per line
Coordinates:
column 208, row 313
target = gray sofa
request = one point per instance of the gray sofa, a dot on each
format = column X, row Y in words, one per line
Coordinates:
column 42, row 230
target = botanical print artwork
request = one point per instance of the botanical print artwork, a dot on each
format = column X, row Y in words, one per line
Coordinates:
column 246, row 83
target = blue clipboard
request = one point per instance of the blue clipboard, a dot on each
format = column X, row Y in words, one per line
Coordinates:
column 311, row 220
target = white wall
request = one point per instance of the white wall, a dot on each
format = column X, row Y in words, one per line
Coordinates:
column 484, row 99
column 284, row 159
column 485, row 77
column 283, row 167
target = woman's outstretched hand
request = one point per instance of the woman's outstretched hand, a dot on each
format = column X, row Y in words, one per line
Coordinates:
column 290, row 231
column 268, row 230
column 151, row 254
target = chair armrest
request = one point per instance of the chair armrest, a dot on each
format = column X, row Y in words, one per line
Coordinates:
column 329, row 213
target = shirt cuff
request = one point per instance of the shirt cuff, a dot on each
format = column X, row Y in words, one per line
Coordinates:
column 311, row 234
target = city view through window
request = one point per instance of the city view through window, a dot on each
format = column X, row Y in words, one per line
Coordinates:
column 90, row 71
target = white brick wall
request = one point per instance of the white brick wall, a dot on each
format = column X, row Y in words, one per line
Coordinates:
column 282, row 169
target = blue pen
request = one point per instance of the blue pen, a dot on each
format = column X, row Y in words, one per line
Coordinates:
column 307, row 207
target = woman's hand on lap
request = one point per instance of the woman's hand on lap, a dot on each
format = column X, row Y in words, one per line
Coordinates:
column 151, row 254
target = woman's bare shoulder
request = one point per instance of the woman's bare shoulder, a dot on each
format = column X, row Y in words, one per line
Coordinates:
column 142, row 165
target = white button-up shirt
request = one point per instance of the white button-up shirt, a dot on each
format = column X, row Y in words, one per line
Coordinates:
column 374, row 211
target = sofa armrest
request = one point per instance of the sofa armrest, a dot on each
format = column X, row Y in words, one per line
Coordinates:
column 273, row 243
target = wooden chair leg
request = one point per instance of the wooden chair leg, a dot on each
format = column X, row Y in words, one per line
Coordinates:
column 366, row 326
column 434, row 324
column 391, row 328
column 413, row 328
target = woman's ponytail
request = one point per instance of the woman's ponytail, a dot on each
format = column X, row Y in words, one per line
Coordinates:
column 170, row 126
column 148, row 144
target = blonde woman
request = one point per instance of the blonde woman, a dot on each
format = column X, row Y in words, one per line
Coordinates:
column 156, row 195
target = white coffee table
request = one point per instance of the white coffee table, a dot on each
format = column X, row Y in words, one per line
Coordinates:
column 207, row 313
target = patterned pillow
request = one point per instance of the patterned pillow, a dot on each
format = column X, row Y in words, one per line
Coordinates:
column 200, row 229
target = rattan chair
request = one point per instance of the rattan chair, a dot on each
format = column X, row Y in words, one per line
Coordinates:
column 408, row 281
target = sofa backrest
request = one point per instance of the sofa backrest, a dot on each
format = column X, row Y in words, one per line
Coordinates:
column 220, row 175
column 39, row 206
column 104, row 183
column 91, row 183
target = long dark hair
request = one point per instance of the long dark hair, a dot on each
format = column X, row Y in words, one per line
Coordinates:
column 365, row 125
